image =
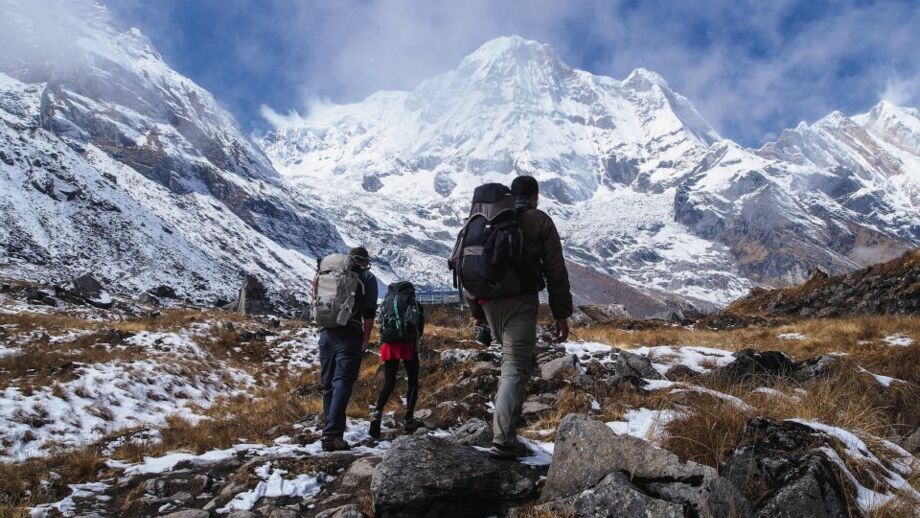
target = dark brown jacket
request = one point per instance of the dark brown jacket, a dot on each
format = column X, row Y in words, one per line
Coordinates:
column 542, row 264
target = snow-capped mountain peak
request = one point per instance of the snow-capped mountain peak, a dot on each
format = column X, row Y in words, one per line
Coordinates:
column 897, row 125
column 643, row 187
column 644, row 78
column 500, row 54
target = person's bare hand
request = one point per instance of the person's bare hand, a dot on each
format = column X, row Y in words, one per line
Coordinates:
column 562, row 330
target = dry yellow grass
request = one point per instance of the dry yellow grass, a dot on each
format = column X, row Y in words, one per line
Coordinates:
column 248, row 419
column 851, row 335
column 29, row 483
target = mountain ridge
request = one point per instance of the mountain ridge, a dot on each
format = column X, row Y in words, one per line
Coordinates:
column 143, row 176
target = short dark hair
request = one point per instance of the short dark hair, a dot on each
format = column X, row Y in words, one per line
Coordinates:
column 359, row 251
column 525, row 186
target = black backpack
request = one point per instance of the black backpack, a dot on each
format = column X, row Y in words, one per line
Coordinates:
column 400, row 315
column 485, row 257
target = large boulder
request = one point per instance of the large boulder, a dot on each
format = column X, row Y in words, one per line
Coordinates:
column 586, row 451
column 783, row 467
column 614, row 497
column 91, row 291
column 253, row 297
column 87, row 286
column 751, row 363
column 819, row 367
column 428, row 476
column 632, row 365
column 558, row 368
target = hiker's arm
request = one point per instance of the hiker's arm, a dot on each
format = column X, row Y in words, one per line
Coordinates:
column 479, row 316
column 368, row 329
column 556, row 275
column 369, row 311
column 421, row 320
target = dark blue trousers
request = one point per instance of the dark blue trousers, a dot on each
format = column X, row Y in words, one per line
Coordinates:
column 340, row 361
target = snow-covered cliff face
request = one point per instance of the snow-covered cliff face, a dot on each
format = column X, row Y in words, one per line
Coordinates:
column 115, row 164
column 640, row 184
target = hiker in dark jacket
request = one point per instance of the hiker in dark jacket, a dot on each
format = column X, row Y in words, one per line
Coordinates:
column 340, row 352
column 391, row 353
column 513, row 319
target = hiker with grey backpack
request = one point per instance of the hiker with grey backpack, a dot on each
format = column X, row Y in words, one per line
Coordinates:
column 401, row 323
column 345, row 304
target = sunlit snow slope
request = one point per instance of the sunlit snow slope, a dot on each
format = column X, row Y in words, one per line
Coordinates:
column 114, row 164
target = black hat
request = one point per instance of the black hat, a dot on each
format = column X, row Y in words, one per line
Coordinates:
column 525, row 186
column 359, row 251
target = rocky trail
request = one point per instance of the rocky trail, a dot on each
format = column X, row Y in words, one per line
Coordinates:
column 616, row 426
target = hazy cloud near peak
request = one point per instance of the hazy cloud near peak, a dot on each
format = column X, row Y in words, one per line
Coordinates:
column 752, row 68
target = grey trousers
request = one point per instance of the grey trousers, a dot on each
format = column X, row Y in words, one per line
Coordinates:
column 514, row 324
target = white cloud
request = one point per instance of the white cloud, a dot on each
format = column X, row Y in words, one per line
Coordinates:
column 901, row 91
column 751, row 67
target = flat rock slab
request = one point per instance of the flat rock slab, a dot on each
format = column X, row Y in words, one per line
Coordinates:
column 429, row 476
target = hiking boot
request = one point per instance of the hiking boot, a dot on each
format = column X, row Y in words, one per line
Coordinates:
column 412, row 424
column 484, row 335
column 512, row 451
column 374, row 430
column 334, row 443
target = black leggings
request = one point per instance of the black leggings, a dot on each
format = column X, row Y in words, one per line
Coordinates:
column 390, row 369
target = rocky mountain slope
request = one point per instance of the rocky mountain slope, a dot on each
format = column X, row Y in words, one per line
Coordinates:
column 728, row 423
column 888, row 288
column 113, row 163
column 643, row 188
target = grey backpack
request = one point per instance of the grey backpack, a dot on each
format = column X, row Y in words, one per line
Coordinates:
column 334, row 290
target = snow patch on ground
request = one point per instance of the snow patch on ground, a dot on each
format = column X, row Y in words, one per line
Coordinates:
column 884, row 381
column 791, row 336
column 644, row 423
column 66, row 506
column 273, row 485
column 898, row 340
column 698, row 359
column 175, row 378
column 297, row 351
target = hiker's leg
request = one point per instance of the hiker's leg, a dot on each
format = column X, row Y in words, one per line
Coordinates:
column 347, row 350
column 412, row 368
column 327, row 371
column 515, row 319
column 390, row 369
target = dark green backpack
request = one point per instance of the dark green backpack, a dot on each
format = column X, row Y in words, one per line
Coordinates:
column 400, row 315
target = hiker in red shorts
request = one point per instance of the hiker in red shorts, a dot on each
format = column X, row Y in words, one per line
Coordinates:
column 402, row 322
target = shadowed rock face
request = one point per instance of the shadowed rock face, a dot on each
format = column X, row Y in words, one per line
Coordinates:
column 778, row 466
column 429, row 476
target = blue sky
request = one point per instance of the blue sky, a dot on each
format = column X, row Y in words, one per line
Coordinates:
column 751, row 68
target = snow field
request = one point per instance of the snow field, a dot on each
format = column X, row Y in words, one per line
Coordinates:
column 177, row 377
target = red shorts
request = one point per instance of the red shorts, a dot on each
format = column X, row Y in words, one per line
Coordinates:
column 397, row 351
